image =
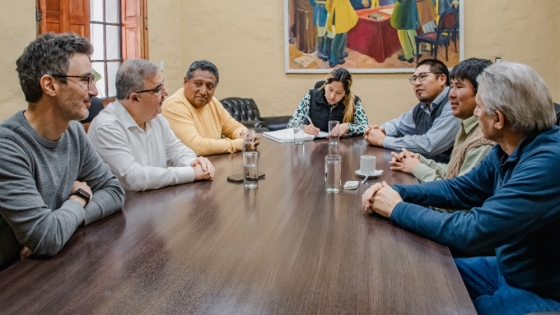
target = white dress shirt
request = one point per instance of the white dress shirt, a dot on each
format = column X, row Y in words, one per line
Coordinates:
column 141, row 160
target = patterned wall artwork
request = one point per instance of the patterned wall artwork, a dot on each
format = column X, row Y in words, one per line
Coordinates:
column 371, row 36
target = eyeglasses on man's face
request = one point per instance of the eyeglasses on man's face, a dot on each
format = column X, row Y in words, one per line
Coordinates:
column 87, row 79
column 421, row 76
column 156, row 90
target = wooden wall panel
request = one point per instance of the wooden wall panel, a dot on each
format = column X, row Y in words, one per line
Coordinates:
column 61, row 16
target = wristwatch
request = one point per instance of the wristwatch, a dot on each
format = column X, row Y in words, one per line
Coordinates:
column 82, row 194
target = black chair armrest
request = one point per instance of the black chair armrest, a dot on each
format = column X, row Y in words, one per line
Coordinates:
column 241, row 109
column 261, row 130
column 259, row 125
column 276, row 122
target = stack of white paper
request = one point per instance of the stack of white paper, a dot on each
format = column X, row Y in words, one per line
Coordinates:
column 285, row 135
column 387, row 11
column 322, row 135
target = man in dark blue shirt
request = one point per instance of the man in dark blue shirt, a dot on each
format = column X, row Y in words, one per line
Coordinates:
column 514, row 197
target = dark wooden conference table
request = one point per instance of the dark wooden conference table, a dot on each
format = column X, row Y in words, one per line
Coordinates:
column 214, row 248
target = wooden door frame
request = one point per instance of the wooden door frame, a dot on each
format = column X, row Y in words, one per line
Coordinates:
column 144, row 51
column 41, row 6
column 67, row 19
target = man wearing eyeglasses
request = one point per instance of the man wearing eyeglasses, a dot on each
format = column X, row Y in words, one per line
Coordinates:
column 135, row 140
column 430, row 127
column 513, row 196
column 52, row 180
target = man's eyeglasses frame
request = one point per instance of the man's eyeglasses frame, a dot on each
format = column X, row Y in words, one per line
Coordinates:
column 421, row 76
column 89, row 77
column 155, row 90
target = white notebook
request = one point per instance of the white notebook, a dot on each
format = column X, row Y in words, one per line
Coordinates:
column 287, row 135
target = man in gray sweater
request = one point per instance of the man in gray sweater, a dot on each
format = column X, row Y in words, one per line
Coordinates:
column 51, row 179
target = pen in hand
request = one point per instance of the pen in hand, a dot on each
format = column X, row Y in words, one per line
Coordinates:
column 310, row 129
column 309, row 118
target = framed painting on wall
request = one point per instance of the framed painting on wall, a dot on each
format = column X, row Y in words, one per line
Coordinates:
column 371, row 36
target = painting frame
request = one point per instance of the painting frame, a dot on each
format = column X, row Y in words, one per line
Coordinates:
column 291, row 48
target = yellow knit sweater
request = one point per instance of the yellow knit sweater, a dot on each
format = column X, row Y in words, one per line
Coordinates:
column 201, row 129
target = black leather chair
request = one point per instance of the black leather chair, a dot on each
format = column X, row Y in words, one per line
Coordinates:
column 95, row 107
column 245, row 111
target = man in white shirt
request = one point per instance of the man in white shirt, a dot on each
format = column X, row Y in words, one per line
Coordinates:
column 135, row 140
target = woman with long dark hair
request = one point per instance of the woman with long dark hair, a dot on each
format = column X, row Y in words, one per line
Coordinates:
column 332, row 100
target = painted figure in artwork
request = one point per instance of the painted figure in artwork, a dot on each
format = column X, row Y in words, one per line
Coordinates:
column 361, row 4
column 405, row 21
column 342, row 17
column 446, row 4
column 427, row 15
column 320, row 21
column 304, row 32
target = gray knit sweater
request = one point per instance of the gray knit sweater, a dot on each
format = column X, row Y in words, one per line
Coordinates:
column 36, row 178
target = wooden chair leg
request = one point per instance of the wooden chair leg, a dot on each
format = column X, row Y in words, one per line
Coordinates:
column 455, row 40
column 417, row 52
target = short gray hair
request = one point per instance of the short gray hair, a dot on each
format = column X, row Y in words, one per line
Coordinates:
column 131, row 76
column 520, row 94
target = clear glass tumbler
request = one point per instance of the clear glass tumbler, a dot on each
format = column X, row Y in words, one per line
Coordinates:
column 332, row 174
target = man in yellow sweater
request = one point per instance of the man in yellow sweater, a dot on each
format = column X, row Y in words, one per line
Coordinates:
column 198, row 118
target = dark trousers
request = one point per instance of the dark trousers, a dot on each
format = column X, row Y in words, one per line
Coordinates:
column 338, row 47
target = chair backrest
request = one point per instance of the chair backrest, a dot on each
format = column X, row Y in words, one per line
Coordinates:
column 242, row 109
column 95, row 107
column 318, row 84
column 448, row 19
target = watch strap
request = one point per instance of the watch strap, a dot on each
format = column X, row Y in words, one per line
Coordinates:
column 82, row 194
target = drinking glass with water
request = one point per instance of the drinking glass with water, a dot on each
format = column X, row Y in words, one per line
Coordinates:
column 299, row 134
column 334, row 133
column 251, row 170
column 332, row 174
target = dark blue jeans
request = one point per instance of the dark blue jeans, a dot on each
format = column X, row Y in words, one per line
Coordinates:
column 491, row 294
